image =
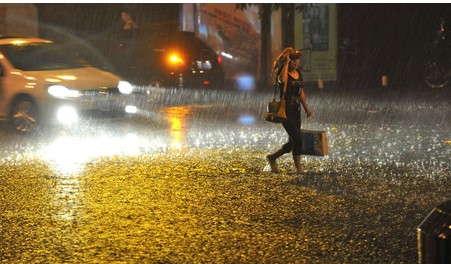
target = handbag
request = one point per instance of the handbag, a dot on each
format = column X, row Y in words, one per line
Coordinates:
column 275, row 112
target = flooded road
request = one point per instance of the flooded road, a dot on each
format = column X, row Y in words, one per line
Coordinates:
column 183, row 181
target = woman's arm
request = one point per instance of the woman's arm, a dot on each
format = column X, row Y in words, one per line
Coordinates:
column 304, row 103
column 283, row 76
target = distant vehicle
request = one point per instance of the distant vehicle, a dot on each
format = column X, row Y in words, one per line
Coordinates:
column 40, row 81
column 160, row 58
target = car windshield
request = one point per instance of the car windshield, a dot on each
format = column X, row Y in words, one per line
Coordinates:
column 40, row 57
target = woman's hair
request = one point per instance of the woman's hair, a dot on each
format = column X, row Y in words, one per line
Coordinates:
column 280, row 61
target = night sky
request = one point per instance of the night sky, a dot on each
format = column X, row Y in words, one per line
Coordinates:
column 392, row 35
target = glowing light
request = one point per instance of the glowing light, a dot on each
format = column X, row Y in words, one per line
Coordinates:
column 30, row 85
column 62, row 91
column 125, row 87
column 246, row 83
column 132, row 145
column 65, row 154
column 18, row 42
column 52, row 80
column 67, row 115
column 227, row 55
column 67, row 77
column 131, row 109
column 69, row 154
column 176, row 140
column 246, row 119
column 175, row 59
column 176, row 124
column 176, row 117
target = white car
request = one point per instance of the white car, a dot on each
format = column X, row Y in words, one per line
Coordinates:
column 40, row 81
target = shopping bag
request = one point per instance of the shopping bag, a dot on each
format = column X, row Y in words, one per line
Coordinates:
column 276, row 111
column 314, row 143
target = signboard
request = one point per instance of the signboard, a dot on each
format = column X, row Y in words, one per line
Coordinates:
column 316, row 35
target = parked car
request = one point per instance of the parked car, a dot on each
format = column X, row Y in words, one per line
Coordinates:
column 41, row 81
column 160, row 58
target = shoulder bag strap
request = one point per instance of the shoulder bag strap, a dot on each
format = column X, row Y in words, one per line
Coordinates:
column 285, row 87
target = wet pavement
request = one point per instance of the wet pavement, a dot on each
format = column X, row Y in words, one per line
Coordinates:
column 185, row 181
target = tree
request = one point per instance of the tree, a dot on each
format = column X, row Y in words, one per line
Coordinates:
column 265, row 11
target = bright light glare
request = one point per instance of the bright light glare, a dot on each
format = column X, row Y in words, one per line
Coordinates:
column 64, row 152
column 67, row 115
column 131, row 109
column 18, row 42
column 175, row 59
column 246, row 119
column 62, row 91
column 67, row 77
column 69, row 154
column 227, row 55
column 125, row 87
column 52, row 80
column 246, row 83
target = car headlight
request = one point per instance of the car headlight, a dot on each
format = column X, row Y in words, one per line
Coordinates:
column 62, row 91
column 125, row 87
column 67, row 115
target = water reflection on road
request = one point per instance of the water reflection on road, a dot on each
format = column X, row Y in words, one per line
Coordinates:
column 390, row 131
column 176, row 116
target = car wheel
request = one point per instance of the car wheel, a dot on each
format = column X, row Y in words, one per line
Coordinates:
column 24, row 115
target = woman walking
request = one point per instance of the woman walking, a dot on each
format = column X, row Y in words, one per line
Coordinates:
column 286, row 67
